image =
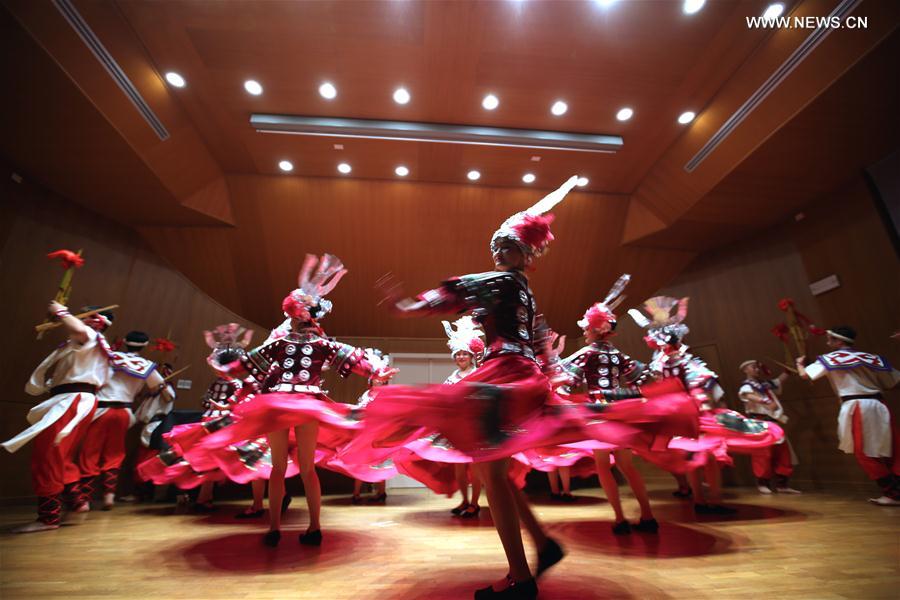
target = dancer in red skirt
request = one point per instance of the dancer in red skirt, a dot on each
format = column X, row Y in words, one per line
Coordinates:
column 288, row 369
column 723, row 430
column 603, row 369
column 502, row 407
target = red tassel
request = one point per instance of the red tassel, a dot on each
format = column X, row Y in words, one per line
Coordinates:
column 163, row 345
column 67, row 258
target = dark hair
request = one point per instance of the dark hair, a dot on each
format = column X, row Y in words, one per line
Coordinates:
column 136, row 339
column 845, row 331
column 227, row 355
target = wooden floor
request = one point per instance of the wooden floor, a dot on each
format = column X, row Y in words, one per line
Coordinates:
column 812, row 546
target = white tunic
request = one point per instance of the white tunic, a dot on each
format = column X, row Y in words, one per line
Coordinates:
column 70, row 363
column 152, row 406
column 772, row 410
column 859, row 380
column 123, row 386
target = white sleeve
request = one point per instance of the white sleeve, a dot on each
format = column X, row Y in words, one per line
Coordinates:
column 816, row 370
column 743, row 391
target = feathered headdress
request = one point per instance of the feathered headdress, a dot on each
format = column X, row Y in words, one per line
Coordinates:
column 663, row 327
column 316, row 280
column 530, row 229
column 600, row 316
column 466, row 337
column 228, row 342
column 230, row 335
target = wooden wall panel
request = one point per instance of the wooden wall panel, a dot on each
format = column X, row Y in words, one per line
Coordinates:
column 120, row 269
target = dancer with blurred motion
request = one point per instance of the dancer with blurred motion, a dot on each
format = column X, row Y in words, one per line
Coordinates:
column 867, row 428
column 723, row 430
column 289, row 369
column 499, row 409
column 604, row 370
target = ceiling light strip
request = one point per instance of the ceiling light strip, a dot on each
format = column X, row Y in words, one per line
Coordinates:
column 90, row 39
column 774, row 80
column 435, row 133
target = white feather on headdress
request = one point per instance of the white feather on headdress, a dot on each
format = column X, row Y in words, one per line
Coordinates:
column 460, row 338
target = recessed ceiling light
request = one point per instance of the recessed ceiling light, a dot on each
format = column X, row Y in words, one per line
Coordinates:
column 559, row 108
column 535, row 158
column 344, row 168
column 328, row 91
column 624, row 114
column 175, row 79
column 605, row 3
column 774, row 10
column 253, row 87
column 401, row 171
column 338, row 146
column 401, row 96
column 686, row 117
column 582, row 181
column 286, row 166
column 473, row 175
column 528, row 177
column 490, row 102
column 691, row 6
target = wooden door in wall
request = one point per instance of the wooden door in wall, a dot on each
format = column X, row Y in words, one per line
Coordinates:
column 417, row 369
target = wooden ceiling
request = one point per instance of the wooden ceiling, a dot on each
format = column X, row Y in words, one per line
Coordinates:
column 211, row 200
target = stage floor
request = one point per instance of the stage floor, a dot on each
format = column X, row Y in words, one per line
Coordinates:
column 812, row 546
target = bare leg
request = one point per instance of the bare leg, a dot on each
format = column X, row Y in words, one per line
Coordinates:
column 529, row 521
column 476, row 485
column 206, row 492
column 714, row 479
column 278, row 444
column 553, row 478
column 357, row 487
column 696, row 486
column 495, row 476
column 306, row 435
column 565, row 477
column 635, row 481
column 608, row 483
column 462, row 484
column 258, row 487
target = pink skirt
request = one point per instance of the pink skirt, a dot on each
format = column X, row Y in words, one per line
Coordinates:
column 505, row 407
column 266, row 413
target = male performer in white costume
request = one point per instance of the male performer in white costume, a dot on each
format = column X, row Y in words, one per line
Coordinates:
column 866, row 427
column 103, row 449
column 77, row 368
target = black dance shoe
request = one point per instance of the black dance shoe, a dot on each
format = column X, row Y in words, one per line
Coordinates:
column 720, row 509
column 272, row 538
column 205, row 508
column 646, row 526
column 250, row 514
column 471, row 512
column 621, row 528
column 568, row 498
column 523, row 590
column 311, row 538
column 378, row 499
column 285, row 503
column 459, row 509
column 549, row 555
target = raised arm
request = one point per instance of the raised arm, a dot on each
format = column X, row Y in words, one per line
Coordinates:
column 76, row 329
